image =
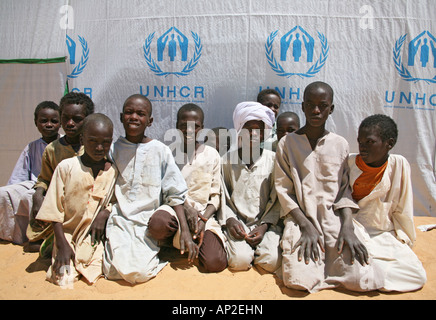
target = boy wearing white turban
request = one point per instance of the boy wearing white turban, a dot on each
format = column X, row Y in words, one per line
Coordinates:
column 250, row 210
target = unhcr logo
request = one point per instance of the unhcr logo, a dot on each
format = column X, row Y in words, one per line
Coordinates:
column 172, row 48
column 420, row 54
column 297, row 51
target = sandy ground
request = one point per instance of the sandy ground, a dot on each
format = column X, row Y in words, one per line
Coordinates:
column 22, row 276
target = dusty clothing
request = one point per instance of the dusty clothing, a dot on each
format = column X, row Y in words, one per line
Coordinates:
column 316, row 181
column 74, row 199
column 202, row 174
column 250, row 197
column 53, row 154
column 148, row 179
column 387, row 214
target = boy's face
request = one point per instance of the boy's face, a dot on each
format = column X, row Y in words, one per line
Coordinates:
column 97, row 140
column 136, row 117
column 190, row 123
column 72, row 119
column 48, row 122
column 255, row 130
column 317, row 106
column 373, row 150
column 285, row 126
column 273, row 102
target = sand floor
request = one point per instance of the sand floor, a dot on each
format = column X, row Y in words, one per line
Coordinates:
column 22, row 276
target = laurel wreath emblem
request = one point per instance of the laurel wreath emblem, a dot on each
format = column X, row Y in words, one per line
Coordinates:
column 187, row 68
column 82, row 64
column 402, row 70
column 313, row 70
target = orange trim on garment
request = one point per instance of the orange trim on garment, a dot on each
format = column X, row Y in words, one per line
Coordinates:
column 367, row 181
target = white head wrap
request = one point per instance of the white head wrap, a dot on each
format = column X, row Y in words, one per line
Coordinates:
column 250, row 110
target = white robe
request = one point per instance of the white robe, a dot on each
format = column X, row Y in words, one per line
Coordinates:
column 148, row 178
column 316, row 181
column 387, row 215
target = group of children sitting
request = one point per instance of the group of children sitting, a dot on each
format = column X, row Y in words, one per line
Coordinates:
column 289, row 199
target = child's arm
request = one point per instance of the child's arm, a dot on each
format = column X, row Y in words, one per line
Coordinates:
column 37, row 199
column 98, row 226
column 64, row 251
column 347, row 235
column 186, row 242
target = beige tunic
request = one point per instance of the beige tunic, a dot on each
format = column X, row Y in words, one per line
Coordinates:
column 316, row 181
column 250, row 197
column 387, row 215
column 74, row 199
column 203, row 178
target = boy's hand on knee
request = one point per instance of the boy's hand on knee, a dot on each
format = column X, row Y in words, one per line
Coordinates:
column 186, row 243
column 357, row 248
column 308, row 243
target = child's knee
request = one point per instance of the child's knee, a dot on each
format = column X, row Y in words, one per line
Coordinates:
column 162, row 225
column 212, row 256
column 241, row 261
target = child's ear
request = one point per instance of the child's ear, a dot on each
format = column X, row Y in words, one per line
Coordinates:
column 390, row 143
column 150, row 122
column 121, row 117
column 332, row 107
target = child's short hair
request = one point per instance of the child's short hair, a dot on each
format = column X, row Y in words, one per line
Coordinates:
column 386, row 125
column 45, row 105
column 266, row 92
column 318, row 84
column 140, row 96
column 77, row 98
column 190, row 107
column 289, row 114
column 97, row 118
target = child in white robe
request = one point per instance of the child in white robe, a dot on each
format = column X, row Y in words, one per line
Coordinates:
column 382, row 187
column 320, row 241
column 149, row 183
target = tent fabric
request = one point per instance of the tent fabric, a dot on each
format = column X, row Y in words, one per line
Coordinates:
column 379, row 57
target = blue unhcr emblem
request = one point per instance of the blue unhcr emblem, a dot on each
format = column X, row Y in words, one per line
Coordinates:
column 421, row 44
column 286, row 50
column 168, row 39
column 71, row 44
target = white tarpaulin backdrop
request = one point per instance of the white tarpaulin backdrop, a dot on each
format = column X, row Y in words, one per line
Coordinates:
column 379, row 56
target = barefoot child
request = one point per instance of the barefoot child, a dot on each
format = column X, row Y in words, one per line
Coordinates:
column 320, row 242
column 382, row 187
column 19, row 189
column 77, row 203
column 149, row 183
